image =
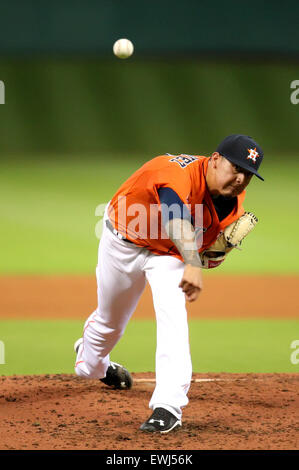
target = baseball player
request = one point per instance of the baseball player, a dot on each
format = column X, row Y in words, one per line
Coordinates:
column 174, row 216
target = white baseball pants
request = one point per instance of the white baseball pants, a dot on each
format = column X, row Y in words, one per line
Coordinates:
column 122, row 271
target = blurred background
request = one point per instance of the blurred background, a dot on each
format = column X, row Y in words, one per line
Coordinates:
column 77, row 121
column 199, row 72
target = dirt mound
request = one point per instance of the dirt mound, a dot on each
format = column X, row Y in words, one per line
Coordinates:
column 226, row 411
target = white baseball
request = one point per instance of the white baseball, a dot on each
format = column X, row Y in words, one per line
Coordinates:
column 123, row 48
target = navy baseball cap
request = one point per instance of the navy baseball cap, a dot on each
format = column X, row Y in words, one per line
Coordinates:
column 243, row 151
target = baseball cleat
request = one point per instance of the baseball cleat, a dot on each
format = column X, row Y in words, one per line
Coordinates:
column 117, row 376
column 161, row 421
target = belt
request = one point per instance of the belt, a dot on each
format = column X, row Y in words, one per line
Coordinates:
column 113, row 230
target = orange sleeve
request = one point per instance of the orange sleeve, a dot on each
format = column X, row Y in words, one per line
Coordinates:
column 169, row 174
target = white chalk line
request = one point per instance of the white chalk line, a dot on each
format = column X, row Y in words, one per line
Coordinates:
column 192, row 380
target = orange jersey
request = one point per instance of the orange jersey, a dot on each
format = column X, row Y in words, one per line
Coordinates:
column 135, row 209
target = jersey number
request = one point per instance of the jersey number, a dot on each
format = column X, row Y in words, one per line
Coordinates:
column 184, row 160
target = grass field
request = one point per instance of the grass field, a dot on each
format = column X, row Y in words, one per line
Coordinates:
column 41, row 347
column 48, row 216
column 48, row 221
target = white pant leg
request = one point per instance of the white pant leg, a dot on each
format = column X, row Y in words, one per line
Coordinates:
column 120, row 282
column 173, row 359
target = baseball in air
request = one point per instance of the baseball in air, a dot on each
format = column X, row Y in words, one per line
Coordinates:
column 123, row 48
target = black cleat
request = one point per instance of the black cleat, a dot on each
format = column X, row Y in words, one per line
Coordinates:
column 161, row 421
column 118, row 377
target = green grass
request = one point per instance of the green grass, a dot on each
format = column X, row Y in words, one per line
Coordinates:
column 47, row 211
column 46, row 347
column 269, row 248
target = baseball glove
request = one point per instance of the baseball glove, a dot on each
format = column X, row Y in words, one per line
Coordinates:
column 230, row 238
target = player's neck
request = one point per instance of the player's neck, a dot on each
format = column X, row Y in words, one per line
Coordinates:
column 210, row 181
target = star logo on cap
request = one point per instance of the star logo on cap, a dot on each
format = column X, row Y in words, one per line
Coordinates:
column 253, row 154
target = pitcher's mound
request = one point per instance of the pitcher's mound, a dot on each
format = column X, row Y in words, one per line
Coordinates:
column 225, row 411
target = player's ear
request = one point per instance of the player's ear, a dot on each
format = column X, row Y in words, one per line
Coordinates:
column 215, row 158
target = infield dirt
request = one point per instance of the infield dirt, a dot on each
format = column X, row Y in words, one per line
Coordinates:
column 236, row 411
column 75, row 297
column 241, row 411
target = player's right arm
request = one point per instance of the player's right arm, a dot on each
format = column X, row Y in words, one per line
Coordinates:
column 181, row 232
column 179, row 228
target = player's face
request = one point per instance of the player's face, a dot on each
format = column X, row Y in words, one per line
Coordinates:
column 230, row 180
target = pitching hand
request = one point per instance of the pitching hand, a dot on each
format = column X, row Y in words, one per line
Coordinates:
column 191, row 282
